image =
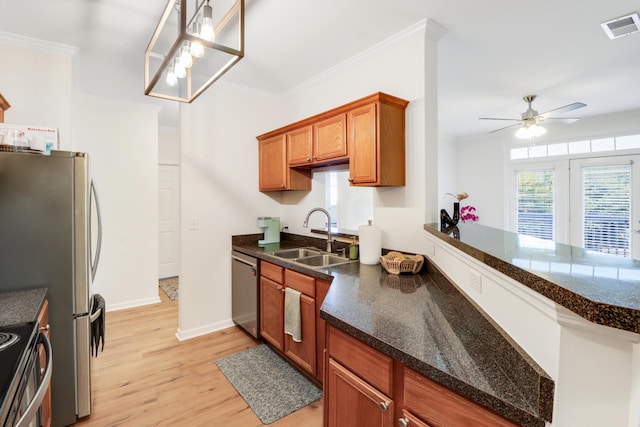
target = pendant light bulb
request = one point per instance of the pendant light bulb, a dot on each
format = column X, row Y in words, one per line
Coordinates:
column 179, row 71
column 185, row 56
column 196, row 49
column 172, row 79
column 207, row 32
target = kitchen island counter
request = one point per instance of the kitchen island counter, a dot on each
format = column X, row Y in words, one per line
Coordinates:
column 424, row 322
column 604, row 289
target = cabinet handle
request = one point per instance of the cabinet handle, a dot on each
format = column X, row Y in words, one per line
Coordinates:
column 403, row 422
column 383, row 406
column 308, row 159
column 47, row 327
column 281, row 289
column 350, row 179
column 315, row 157
column 281, row 185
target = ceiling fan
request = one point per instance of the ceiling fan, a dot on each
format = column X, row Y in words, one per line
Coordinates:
column 529, row 123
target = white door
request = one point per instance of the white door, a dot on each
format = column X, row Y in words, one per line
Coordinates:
column 169, row 221
column 605, row 204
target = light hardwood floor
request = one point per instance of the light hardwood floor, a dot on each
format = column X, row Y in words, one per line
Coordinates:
column 146, row 377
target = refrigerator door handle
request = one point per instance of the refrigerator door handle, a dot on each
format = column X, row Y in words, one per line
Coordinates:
column 95, row 259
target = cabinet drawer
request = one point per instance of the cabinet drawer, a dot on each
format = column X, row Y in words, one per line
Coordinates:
column 272, row 271
column 300, row 282
column 440, row 406
column 366, row 362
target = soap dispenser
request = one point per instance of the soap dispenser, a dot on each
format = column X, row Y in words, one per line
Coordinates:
column 353, row 249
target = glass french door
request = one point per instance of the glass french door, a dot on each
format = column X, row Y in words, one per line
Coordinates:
column 605, row 205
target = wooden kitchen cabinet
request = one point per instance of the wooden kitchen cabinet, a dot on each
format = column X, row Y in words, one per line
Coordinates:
column 303, row 353
column 43, row 323
column 366, row 387
column 274, row 172
column 323, row 142
column 368, row 134
column 330, row 138
column 376, row 137
column 437, row 405
column 300, row 146
column 353, row 402
column 307, row 354
column 272, row 312
column 358, row 386
column 4, row 106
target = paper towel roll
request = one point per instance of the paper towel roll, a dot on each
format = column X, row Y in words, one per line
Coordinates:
column 370, row 243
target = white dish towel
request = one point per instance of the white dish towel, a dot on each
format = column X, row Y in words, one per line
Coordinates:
column 292, row 319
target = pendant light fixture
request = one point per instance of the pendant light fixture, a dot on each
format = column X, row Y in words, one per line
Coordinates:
column 193, row 45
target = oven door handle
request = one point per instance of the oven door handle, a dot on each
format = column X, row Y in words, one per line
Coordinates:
column 36, row 402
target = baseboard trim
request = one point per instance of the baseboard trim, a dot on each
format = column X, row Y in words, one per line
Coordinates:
column 132, row 304
column 183, row 335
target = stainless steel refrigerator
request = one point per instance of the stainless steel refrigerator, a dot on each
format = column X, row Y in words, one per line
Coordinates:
column 50, row 237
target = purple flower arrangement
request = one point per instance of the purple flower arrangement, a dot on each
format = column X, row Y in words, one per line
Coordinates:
column 468, row 213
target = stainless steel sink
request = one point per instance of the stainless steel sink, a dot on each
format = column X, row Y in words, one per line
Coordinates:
column 324, row 260
column 296, row 253
column 310, row 257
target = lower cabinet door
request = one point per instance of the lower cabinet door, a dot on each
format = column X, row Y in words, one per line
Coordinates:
column 353, row 402
column 272, row 312
column 304, row 353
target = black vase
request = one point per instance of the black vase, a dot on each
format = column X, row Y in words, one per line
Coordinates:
column 446, row 221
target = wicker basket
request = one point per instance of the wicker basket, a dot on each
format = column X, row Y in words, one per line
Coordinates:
column 397, row 263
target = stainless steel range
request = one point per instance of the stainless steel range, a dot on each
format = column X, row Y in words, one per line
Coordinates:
column 22, row 386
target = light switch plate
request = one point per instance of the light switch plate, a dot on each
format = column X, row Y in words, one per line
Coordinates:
column 194, row 224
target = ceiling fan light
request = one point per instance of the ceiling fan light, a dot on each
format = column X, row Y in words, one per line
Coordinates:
column 530, row 131
column 523, row 133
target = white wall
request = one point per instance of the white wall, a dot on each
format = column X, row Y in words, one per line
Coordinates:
column 168, row 145
column 36, row 79
column 121, row 139
column 219, row 186
column 480, row 160
column 396, row 66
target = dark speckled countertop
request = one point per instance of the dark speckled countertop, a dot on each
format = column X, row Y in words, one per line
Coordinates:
column 604, row 289
column 21, row 306
column 427, row 324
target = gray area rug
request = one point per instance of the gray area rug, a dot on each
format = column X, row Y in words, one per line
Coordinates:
column 269, row 385
column 170, row 287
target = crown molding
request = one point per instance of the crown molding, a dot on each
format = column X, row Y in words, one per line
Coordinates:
column 418, row 27
column 37, row 44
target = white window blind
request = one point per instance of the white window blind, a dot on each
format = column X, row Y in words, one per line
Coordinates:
column 606, row 198
column 535, row 203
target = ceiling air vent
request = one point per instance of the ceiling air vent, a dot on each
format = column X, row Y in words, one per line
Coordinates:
column 622, row 26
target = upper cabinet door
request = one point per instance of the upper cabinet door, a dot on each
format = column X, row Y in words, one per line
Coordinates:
column 330, row 138
column 363, row 150
column 299, row 146
column 272, row 159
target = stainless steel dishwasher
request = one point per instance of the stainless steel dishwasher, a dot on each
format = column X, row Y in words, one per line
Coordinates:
column 245, row 303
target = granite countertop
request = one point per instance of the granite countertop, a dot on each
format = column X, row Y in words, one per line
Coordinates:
column 604, row 289
column 427, row 324
column 21, row 306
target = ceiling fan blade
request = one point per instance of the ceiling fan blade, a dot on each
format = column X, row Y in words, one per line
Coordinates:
column 494, row 118
column 506, row 127
column 560, row 120
column 564, row 109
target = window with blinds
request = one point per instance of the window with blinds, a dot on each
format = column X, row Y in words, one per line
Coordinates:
column 606, row 198
column 535, row 203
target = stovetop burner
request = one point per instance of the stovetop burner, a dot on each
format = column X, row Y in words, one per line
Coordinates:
column 7, row 339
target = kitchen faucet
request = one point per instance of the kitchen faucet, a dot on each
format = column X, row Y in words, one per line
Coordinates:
column 306, row 224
